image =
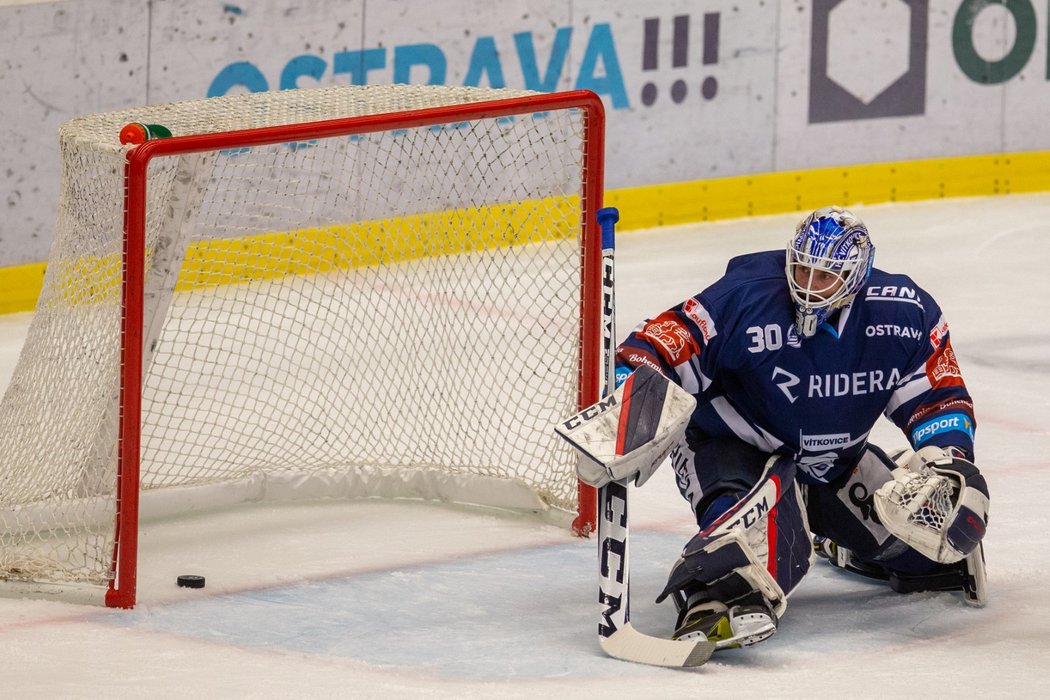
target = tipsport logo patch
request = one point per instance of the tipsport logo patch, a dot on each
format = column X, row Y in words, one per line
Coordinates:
column 942, row 424
column 847, row 80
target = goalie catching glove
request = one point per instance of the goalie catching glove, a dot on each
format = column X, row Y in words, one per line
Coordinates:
column 937, row 503
column 630, row 432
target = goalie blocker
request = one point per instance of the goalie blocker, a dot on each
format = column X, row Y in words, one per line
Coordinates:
column 629, row 433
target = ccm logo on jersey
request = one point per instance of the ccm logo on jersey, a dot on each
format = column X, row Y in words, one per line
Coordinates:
column 893, row 293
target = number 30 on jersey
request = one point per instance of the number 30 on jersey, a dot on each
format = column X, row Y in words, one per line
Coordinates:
column 764, row 338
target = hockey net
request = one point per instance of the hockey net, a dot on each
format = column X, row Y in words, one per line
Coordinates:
column 341, row 292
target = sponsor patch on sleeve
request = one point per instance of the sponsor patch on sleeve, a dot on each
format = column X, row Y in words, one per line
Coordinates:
column 942, row 369
column 924, row 410
column 700, row 316
column 670, row 338
column 938, row 332
column 949, row 422
column 621, row 374
column 633, row 357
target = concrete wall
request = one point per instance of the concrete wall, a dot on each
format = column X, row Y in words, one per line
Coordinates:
column 695, row 89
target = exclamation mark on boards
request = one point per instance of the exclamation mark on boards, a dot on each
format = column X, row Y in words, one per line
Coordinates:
column 709, row 88
column 679, row 55
column 650, row 59
column 651, row 55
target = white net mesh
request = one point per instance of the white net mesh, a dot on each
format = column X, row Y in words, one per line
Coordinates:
column 403, row 302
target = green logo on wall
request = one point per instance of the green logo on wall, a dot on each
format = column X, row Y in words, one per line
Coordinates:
column 984, row 71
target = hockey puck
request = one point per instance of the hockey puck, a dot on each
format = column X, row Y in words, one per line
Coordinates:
column 190, row 581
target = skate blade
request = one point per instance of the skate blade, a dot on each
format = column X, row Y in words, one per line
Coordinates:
column 747, row 630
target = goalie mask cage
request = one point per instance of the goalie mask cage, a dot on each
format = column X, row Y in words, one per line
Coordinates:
column 353, row 291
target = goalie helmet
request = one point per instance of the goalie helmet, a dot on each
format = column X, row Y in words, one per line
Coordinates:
column 828, row 261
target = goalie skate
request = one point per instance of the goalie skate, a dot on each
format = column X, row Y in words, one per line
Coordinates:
column 727, row 628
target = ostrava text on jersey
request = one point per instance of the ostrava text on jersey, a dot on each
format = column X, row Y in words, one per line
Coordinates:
column 888, row 352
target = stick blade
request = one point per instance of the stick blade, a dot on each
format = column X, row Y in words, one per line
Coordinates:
column 629, row 644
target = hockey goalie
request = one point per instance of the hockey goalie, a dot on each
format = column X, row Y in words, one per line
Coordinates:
column 790, row 359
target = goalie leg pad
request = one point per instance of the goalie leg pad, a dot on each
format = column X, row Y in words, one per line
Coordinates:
column 725, row 568
column 711, row 468
column 760, row 545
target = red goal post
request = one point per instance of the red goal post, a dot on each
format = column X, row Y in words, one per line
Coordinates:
column 122, row 586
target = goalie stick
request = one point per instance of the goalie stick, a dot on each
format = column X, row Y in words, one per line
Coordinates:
column 617, row 637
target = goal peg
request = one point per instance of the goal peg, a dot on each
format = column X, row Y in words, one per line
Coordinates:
column 136, row 133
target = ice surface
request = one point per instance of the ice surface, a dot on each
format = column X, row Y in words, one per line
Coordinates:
column 400, row 599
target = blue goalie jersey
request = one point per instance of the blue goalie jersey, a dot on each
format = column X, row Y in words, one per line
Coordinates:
column 734, row 346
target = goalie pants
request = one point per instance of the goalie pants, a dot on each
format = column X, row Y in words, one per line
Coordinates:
column 713, row 473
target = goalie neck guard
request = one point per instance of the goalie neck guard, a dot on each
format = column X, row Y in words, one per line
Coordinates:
column 828, row 260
